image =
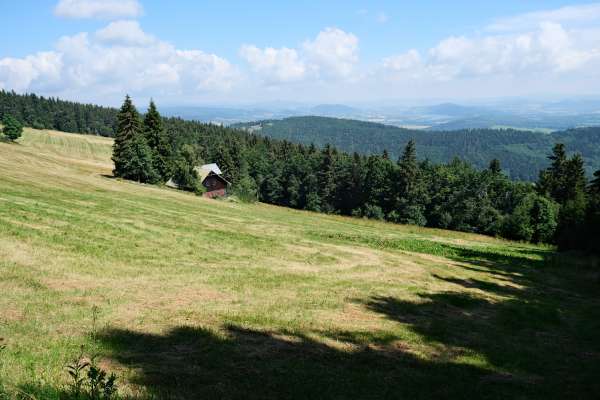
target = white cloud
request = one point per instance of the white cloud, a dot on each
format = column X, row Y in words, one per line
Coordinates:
column 549, row 49
column 19, row 73
column 124, row 32
column 102, row 9
column 577, row 14
column 275, row 65
column 404, row 65
column 333, row 53
column 118, row 59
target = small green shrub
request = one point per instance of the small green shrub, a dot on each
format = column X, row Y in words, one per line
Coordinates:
column 89, row 381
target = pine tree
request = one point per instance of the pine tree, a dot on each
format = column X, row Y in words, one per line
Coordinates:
column 551, row 182
column 495, row 166
column 131, row 154
column 138, row 161
column 128, row 127
column 574, row 180
column 327, row 183
column 157, row 139
column 184, row 172
column 409, row 189
column 592, row 218
column 595, row 183
column 12, row 128
column 570, row 233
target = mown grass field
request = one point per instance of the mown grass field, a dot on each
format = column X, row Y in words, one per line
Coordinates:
column 190, row 298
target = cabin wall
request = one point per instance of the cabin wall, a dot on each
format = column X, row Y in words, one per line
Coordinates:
column 213, row 183
column 215, row 187
column 216, row 193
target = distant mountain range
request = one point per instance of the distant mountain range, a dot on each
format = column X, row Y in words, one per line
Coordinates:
column 519, row 114
column 522, row 153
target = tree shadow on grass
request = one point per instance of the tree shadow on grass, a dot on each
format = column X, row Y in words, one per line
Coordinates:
column 533, row 342
column 237, row 363
column 473, row 283
column 529, row 338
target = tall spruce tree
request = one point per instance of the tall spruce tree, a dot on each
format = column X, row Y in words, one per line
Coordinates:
column 570, row 233
column 409, row 192
column 592, row 218
column 495, row 166
column 157, row 139
column 551, row 182
column 595, row 183
column 131, row 154
column 326, row 175
column 138, row 161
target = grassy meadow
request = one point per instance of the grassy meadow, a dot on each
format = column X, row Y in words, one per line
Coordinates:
column 189, row 298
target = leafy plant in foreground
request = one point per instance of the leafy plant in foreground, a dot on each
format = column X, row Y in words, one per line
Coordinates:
column 89, row 381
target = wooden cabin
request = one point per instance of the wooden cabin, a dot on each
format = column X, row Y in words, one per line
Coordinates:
column 212, row 179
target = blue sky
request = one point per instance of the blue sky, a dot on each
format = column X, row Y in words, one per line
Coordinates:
column 201, row 52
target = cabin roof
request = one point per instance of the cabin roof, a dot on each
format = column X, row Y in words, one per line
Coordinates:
column 205, row 170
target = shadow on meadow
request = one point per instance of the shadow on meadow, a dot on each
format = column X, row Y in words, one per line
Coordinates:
column 242, row 363
column 534, row 339
column 531, row 334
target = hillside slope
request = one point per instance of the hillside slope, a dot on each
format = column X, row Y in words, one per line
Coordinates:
column 185, row 297
column 522, row 153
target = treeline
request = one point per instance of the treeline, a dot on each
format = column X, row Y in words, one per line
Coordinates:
column 522, row 153
column 51, row 113
column 562, row 208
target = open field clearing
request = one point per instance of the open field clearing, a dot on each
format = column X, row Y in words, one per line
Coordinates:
column 185, row 297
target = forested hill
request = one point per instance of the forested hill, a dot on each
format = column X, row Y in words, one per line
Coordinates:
column 521, row 153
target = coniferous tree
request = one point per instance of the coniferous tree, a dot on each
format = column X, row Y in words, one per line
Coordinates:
column 129, row 127
column 138, row 162
column 551, row 182
column 131, row 154
column 326, row 176
column 573, row 199
column 157, row 139
column 495, row 166
column 595, row 183
column 184, row 169
column 592, row 218
column 410, row 192
column 12, row 128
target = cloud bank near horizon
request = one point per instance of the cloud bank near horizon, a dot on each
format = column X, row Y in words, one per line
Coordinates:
column 558, row 50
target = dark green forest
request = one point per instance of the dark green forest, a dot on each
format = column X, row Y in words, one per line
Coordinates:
column 562, row 207
column 523, row 153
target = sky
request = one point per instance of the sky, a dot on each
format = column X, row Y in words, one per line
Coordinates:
column 318, row 51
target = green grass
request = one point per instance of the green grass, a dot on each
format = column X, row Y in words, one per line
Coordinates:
column 201, row 298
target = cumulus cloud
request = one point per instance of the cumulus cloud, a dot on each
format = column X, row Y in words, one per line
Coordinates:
column 333, row 53
column 101, row 9
column 578, row 14
column 19, row 73
column 549, row 49
column 275, row 65
column 409, row 61
column 124, row 32
column 117, row 59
